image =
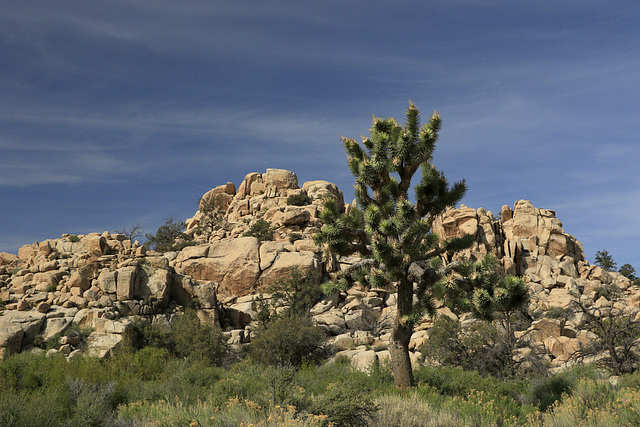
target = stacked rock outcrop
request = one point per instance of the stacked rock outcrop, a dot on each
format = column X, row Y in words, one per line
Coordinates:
column 101, row 281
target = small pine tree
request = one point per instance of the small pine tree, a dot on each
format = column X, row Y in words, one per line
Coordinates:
column 605, row 261
column 169, row 237
column 628, row 271
column 212, row 217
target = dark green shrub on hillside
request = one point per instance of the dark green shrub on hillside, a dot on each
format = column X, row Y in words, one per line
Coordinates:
column 299, row 292
column 346, row 404
column 196, row 340
column 288, row 341
column 187, row 337
column 73, row 238
column 301, row 199
column 261, row 230
column 480, row 347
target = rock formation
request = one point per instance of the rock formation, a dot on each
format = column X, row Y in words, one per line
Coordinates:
column 102, row 280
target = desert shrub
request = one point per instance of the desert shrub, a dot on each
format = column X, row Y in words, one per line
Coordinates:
column 131, row 232
column 480, row 347
column 148, row 363
column 73, row 238
column 288, row 340
column 452, row 381
column 411, row 411
column 92, row 404
column 187, row 338
column 330, row 287
column 346, row 403
column 630, row 380
column 51, row 288
column 546, row 391
column 152, row 335
column 300, row 199
column 40, row 408
column 261, row 230
column 559, row 313
column 298, row 292
column 617, row 333
column 197, row 341
column 595, row 403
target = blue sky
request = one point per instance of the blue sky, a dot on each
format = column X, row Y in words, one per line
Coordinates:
column 118, row 112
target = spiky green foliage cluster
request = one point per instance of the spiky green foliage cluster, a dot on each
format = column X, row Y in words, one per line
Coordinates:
column 482, row 288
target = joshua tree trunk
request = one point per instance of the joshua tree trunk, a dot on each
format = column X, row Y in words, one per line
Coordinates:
column 400, row 337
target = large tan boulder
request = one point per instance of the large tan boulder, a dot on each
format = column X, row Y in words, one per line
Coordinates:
column 190, row 252
column 7, row 258
column 456, row 222
column 126, row 282
column 26, row 251
column 107, row 281
column 331, row 321
column 319, row 190
column 285, row 263
column 95, row 244
column 559, row 297
column 222, row 194
column 10, row 338
column 29, row 321
column 185, row 289
column 525, row 220
column 294, row 215
column 364, row 361
column 280, row 178
column 268, row 253
column 154, row 286
column 245, row 186
column 82, row 277
column 233, row 264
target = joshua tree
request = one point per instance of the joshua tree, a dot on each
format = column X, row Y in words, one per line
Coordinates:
column 392, row 232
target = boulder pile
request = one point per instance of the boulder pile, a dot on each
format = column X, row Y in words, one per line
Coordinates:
column 101, row 283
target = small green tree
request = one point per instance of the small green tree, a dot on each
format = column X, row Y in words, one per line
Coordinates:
column 628, row 271
column 212, row 217
column 169, row 237
column 605, row 261
column 396, row 232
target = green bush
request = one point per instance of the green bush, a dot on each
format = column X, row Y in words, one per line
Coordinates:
column 197, row 341
column 452, row 381
column 346, row 403
column 288, row 341
column 545, row 392
column 261, row 230
column 187, row 338
column 301, row 199
column 298, row 292
column 479, row 347
column 73, row 238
